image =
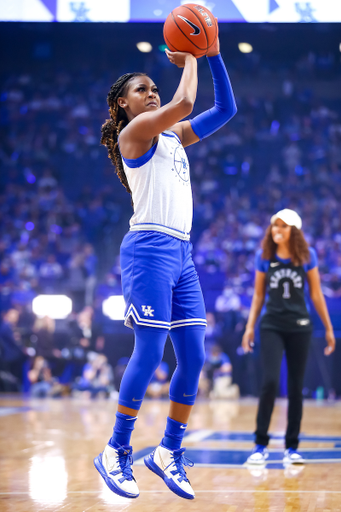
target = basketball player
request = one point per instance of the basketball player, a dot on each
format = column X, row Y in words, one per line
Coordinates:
column 283, row 267
column 145, row 142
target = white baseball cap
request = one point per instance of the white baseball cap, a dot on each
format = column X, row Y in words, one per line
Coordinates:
column 290, row 217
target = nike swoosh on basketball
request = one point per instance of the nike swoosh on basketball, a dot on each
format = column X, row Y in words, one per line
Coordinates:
column 274, row 264
column 191, row 24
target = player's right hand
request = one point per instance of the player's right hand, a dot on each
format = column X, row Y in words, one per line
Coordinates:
column 248, row 340
column 330, row 339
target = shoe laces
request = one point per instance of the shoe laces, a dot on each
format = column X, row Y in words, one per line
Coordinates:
column 125, row 460
column 179, row 460
column 259, row 448
column 292, row 451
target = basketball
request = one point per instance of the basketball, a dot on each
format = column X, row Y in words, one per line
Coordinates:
column 190, row 28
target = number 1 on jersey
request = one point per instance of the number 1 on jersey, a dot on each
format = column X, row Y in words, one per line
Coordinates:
column 286, row 292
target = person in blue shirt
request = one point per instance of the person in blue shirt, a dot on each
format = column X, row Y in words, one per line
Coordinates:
column 283, row 266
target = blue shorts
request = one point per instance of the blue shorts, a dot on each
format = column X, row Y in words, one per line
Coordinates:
column 160, row 284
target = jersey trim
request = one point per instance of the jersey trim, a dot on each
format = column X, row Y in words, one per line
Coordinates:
column 133, row 163
column 188, row 321
column 133, row 314
column 171, row 134
column 150, row 226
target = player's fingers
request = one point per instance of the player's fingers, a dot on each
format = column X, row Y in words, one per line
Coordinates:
column 245, row 346
column 328, row 350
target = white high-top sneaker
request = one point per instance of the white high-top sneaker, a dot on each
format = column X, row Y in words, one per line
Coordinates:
column 291, row 456
column 169, row 465
column 114, row 465
column 259, row 455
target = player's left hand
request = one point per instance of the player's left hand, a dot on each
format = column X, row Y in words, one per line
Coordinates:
column 215, row 49
column 330, row 339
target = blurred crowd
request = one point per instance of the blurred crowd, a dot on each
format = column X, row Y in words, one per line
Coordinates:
column 63, row 211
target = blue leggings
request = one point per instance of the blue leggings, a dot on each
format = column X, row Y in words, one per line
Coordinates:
column 188, row 343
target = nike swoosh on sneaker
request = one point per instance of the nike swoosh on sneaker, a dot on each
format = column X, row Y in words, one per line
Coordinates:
column 163, row 465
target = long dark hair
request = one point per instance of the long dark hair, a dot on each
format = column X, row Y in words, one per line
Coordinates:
column 113, row 126
column 298, row 246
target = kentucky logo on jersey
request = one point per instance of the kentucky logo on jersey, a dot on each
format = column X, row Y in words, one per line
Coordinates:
column 285, row 272
column 181, row 165
column 147, row 310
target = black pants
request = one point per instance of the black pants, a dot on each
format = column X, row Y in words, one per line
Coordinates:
column 296, row 346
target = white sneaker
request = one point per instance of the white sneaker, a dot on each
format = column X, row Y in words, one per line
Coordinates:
column 258, row 456
column 291, row 456
column 169, row 465
column 114, row 465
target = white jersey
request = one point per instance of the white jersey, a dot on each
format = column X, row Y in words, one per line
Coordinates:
column 161, row 188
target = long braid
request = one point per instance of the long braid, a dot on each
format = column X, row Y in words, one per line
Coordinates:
column 113, row 126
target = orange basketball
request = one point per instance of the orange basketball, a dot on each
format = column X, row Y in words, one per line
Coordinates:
column 190, row 28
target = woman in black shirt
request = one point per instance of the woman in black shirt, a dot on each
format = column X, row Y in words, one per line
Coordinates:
column 283, row 266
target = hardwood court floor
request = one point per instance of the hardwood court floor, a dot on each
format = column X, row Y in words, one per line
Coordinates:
column 47, row 447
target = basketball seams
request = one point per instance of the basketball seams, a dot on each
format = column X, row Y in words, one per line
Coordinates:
column 166, row 38
column 190, row 40
column 201, row 23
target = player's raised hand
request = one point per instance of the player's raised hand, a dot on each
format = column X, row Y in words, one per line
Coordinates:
column 248, row 340
column 215, row 48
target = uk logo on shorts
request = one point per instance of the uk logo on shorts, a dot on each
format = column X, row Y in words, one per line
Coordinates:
column 147, row 310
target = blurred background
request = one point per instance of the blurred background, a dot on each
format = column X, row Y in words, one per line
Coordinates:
column 63, row 211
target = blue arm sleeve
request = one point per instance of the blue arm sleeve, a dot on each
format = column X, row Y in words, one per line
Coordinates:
column 224, row 108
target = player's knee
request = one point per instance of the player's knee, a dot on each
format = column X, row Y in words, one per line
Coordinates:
column 195, row 363
column 199, row 359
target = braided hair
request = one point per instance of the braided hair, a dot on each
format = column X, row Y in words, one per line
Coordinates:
column 113, row 126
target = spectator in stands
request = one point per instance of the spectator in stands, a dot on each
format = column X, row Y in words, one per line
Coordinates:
column 76, row 280
column 42, row 382
column 50, row 275
column 12, row 354
column 97, row 377
column 159, row 385
column 218, row 374
column 90, row 265
column 43, row 329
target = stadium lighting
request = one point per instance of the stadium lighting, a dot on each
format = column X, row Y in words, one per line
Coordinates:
column 114, row 307
column 144, row 47
column 245, row 47
column 53, row 306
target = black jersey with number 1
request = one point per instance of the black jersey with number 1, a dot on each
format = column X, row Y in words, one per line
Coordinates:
column 285, row 307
